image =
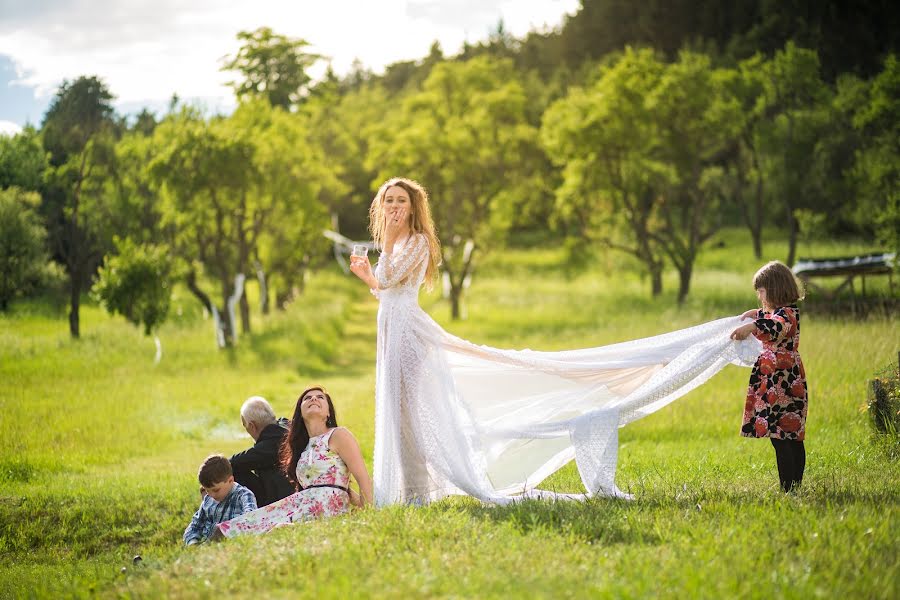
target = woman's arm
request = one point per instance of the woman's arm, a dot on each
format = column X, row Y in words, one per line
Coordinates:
column 362, row 268
column 773, row 327
column 395, row 268
column 346, row 446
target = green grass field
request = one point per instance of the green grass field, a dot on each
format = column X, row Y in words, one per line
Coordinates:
column 99, row 450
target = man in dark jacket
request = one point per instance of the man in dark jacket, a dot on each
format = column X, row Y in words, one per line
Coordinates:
column 257, row 468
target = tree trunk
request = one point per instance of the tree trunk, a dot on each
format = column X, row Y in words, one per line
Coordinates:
column 283, row 297
column 757, row 243
column 756, row 227
column 75, row 274
column 656, row 284
column 794, row 230
column 74, row 303
column 301, row 281
column 220, row 322
column 793, row 188
column 229, row 300
column 263, row 289
column 225, row 324
column 757, row 223
column 245, row 315
column 455, row 301
column 684, row 280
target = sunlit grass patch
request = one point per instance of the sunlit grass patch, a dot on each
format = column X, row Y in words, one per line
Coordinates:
column 99, row 451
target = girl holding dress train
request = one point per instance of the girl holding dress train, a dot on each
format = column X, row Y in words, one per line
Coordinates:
column 776, row 401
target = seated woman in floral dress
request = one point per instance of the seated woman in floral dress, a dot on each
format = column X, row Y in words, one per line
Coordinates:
column 318, row 457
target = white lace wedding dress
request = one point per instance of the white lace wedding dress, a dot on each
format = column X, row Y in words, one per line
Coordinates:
column 452, row 417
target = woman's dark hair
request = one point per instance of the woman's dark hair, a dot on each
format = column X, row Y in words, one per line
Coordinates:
column 297, row 438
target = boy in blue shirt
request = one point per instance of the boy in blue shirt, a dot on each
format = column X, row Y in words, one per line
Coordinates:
column 224, row 499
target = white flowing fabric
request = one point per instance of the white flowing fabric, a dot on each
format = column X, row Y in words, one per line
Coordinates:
column 452, row 417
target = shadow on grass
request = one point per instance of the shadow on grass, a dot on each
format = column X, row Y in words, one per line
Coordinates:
column 596, row 520
column 610, row 521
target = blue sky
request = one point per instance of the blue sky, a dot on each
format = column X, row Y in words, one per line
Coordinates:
column 146, row 50
column 19, row 103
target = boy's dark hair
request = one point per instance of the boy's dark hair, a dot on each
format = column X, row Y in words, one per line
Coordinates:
column 215, row 469
column 782, row 287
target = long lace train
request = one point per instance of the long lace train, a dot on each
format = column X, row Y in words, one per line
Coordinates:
column 454, row 417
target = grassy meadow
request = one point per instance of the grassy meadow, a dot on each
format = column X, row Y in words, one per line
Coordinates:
column 99, row 449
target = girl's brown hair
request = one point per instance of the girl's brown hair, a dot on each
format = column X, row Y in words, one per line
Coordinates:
column 421, row 221
column 782, row 286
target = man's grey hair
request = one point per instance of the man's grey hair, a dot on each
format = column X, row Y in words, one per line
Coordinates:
column 257, row 410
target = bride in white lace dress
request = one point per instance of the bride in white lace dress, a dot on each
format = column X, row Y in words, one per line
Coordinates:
column 452, row 417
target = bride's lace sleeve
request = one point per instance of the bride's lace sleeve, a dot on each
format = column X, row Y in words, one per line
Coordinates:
column 393, row 269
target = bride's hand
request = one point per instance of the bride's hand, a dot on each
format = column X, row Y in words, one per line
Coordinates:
column 361, row 267
column 395, row 226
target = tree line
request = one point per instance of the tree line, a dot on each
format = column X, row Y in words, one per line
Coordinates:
column 645, row 142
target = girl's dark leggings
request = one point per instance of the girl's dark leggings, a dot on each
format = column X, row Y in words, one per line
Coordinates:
column 791, row 458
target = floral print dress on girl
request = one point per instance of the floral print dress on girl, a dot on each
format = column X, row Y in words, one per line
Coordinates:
column 325, row 480
column 777, row 396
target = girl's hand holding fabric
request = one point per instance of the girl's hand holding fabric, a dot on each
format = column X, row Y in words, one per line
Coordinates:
column 743, row 331
column 750, row 314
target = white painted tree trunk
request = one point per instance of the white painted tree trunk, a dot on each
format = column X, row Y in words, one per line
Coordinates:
column 232, row 302
column 217, row 326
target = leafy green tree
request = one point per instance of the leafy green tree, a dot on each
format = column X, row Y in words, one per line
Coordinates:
column 745, row 172
column 273, row 66
column 796, row 165
column 235, row 192
column 465, row 136
column 22, row 244
column 298, row 180
column 338, row 125
column 409, row 74
column 145, row 122
column 78, row 132
column 696, row 121
column 876, row 168
column 22, row 160
column 206, row 171
column 642, row 153
column 602, row 137
column 133, row 199
column 849, row 37
column 136, row 283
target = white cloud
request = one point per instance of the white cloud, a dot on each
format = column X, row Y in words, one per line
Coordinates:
column 9, row 128
column 146, row 50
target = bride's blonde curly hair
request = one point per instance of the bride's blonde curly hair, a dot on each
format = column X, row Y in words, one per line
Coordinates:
column 421, row 221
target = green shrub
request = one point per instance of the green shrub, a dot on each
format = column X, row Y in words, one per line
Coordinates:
column 22, row 239
column 884, row 401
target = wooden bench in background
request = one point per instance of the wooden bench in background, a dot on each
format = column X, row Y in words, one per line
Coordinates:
column 847, row 267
